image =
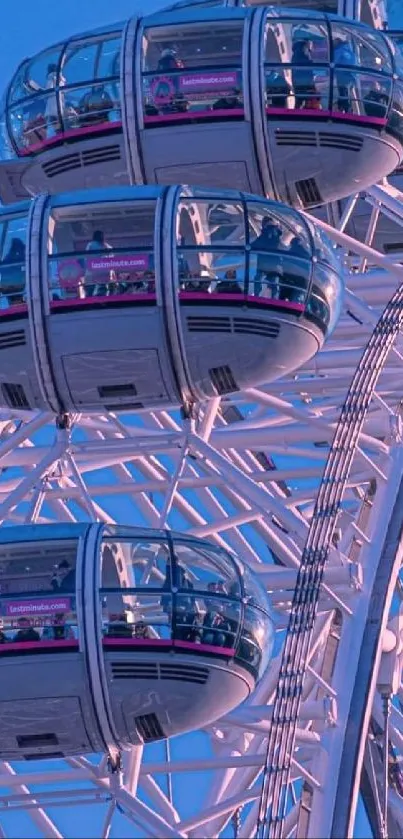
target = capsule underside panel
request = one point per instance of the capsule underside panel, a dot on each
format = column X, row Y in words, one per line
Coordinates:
column 130, row 370
column 241, row 347
column 337, row 160
column 109, row 357
column 211, row 155
column 35, row 700
column 43, row 715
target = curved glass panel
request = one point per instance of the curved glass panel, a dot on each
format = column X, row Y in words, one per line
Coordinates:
column 325, row 300
column 12, row 264
column 204, row 570
column 192, row 72
column 6, row 149
column 101, row 250
column 255, row 593
column 216, row 222
column 304, row 72
column 138, row 618
column 41, row 72
column 361, row 94
column 296, row 42
column 79, row 62
column 355, row 47
column 324, row 250
column 184, row 594
column 276, row 226
column 396, row 39
column 65, row 92
column 18, row 88
column 396, row 110
column 37, row 595
column 255, row 644
column 273, row 265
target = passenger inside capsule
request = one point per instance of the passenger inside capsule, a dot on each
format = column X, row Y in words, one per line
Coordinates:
column 26, row 632
column 303, row 78
column 96, row 106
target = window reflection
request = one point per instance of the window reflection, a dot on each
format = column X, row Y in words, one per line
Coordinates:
column 92, row 106
column 79, row 62
column 136, row 618
column 215, row 222
column 203, row 568
column 211, row 272
column 295, row 79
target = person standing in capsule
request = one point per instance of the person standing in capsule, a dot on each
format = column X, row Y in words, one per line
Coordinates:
column 98, row 280
column 343, row 55
column 169, row 61
column 51, row 111
column 303, row 80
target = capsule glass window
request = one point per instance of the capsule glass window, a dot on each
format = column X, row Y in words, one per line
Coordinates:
column 207, row 620
column 327, row 299
column 38, row 583
column 193, row 69
column 6, row 148
column 90, row 60
column 141, row 618
column 256, row 640
column 19, row 88
column 41, row 72
column 12, row 265
column 397, row 46
column 363, row 94
column 204, row 569
column 96, row 106
column 212, row 223
column 396, row 114
column 98, row 250
column 137, row 563
column 353, row 47
column 296, row 42
column 212, row 272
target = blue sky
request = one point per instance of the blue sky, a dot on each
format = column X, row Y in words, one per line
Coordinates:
column 27, row 27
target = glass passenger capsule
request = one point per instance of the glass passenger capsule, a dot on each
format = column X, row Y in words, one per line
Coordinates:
column 147, row 297
column 371, row 12
column 297, row 105
column 112, row 636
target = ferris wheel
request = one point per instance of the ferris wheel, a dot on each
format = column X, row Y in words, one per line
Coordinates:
column 201, row 460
